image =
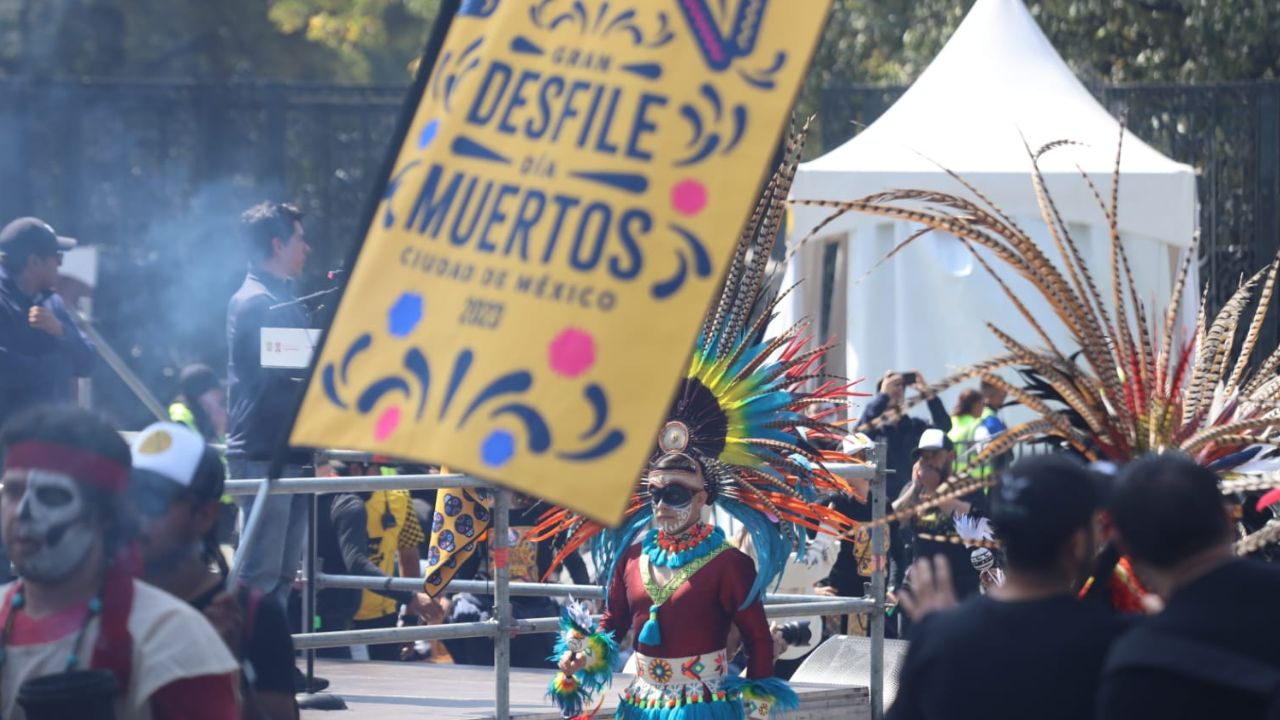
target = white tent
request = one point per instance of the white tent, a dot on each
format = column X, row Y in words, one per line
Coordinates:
column 996, row 82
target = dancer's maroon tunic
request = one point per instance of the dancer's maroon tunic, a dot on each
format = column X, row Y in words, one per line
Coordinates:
column 696, row 619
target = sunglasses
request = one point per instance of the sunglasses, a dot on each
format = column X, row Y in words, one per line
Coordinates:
column 675, row 496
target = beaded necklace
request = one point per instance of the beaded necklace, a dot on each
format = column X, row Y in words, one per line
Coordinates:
column 666, row 551
column 19, row 601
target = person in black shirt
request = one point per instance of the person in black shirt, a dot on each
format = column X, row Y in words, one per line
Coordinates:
column 1214, row 651
column 260, row 399
column 926, row 533
column 176, row 484
column 41, row 349
column 885, row 421
column 1029, row 649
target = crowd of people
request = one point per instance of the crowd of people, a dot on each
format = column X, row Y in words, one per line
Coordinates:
column 120, row 551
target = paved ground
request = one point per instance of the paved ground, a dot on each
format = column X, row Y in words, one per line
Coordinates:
column 398, row 691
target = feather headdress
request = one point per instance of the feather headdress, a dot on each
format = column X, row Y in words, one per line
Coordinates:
column 1128, row 387
column 749, row 411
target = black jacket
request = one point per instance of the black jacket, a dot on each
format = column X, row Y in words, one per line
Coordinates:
column 260, row 400
column 342, row 548
column 35, row 367
column 901, row 437
column 1214, row 651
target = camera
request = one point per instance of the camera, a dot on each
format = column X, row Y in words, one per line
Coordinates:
column 796, row 632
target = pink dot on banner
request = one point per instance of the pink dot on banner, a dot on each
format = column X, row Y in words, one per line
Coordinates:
column 689, row 197
column 573, row 352
column 388, row 421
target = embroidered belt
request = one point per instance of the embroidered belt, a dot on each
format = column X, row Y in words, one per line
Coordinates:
column 707, row 668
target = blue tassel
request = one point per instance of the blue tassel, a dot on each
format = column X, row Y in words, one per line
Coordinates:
column 650, row 634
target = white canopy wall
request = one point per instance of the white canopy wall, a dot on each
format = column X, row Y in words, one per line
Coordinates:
column 997, row 81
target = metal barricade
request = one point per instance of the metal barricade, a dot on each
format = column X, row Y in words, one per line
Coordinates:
column 502, row 627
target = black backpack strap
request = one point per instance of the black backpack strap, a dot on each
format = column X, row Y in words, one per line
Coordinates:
column 1145, row 650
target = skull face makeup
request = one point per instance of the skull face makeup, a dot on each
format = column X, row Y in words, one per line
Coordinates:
column 670, row 516
column 51, row 531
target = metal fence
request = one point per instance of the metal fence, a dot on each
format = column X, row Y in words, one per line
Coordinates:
column 502, row 627
column 156, row 174
column 1229, row 132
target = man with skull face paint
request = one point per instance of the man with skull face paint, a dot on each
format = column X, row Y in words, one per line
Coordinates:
column 75, row 605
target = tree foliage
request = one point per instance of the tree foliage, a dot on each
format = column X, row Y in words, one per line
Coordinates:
column 1174, row 41
column 380, row 39
column 376, row 41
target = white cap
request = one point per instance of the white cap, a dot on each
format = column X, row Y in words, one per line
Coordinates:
column 169, row 450
column 932, row 439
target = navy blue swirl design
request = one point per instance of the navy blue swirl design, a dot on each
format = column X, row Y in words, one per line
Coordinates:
column 460, row 368
column 701, row 260
column 764, row 79
column 649, row 71
column 376, row 391
column 634, row 183
column 606, row 23
column 525, row 46
column 478, row 8
column 331, row 387
column 511, row 383
column 608, row 444
column 666, row 288
column 361, row 344
column 415, row 362
column 414, row 382
column 599, row 408
column 701, row 264
column 739, row 127
column 468, row 147
column 535, row 427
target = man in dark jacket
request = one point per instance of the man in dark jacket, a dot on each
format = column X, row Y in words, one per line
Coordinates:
column 884, row 420
column 261, row 399
column 1029, row 649
column 1214, row 651
column 41, row 349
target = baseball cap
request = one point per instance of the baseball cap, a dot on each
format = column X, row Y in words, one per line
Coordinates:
column 1050, row 495
column 34, row 236
column 932, row 439
column 170, row 459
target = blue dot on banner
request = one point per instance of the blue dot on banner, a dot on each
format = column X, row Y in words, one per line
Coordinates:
column 428, row 134
column 498, row 448
column 405, row 314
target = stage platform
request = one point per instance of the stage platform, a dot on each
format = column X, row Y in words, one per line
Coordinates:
column 398, row 691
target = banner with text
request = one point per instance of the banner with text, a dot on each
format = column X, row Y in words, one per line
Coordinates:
column 559, row 216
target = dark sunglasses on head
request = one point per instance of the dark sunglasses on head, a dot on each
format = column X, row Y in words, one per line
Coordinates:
column 671, row 495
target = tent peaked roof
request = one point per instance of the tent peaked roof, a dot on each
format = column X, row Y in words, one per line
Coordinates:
column 997, row 80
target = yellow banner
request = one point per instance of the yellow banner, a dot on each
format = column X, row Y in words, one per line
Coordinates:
column 559, row 216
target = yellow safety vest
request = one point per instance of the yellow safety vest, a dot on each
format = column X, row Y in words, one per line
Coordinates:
column 963, row 430
column 383, row 544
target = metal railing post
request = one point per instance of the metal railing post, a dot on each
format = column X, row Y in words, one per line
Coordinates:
column 502, row 604
column 309, row 594
column 879, row 487
column 250, row 533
